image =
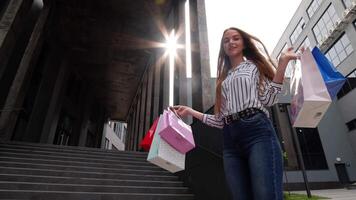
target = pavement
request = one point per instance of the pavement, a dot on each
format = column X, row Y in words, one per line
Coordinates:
column 337, row 194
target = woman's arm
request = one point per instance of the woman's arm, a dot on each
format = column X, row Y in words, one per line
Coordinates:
column 283, row 61
column 184, row 111
column 210, row 120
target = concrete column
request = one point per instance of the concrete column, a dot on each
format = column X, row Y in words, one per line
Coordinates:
column 128, row 133
column 10, row 26
column 157, row 85
column 143, row 100
column 132, row 130
column 17, row 91
column 149, row 99
column 137, row 125
column 180, row 67
column 165, row 84
column 43, row 97
column 201, row 79
column 54, row 108
column 85, row 118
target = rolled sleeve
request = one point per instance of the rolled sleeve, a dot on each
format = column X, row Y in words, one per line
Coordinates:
column 270, row 93
column 213, row 121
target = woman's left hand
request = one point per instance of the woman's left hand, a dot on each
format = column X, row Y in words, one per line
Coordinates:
column 289, row 54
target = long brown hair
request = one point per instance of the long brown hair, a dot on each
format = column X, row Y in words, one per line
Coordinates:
column 250, row 52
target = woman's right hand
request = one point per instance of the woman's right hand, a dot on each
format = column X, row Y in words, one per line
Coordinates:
column 182, row 111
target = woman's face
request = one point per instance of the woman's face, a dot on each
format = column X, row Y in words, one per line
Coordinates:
column 233, row 43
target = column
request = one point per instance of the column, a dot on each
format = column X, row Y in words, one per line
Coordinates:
column 17, row 91
column 202, row 93
column 10, row 26
column 149, row 99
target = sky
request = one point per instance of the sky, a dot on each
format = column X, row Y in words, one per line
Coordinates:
column 266, row 20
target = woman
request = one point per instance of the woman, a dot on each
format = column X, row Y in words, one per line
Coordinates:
column 247, row 83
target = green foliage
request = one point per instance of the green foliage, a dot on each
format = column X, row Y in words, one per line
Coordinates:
column 293, row 196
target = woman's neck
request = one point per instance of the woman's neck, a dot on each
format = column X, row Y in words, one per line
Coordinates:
column 236, row 60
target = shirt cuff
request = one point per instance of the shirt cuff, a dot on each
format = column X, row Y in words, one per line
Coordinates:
column 204, row 118
column 277, row 86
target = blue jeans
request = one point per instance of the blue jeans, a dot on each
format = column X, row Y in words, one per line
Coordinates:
column 253, row 159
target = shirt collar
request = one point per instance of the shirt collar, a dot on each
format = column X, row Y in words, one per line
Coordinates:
column 245, row 61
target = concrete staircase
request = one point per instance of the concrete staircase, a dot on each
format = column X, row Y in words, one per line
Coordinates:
column 41, row 171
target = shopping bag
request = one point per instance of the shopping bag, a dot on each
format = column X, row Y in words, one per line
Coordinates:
column 164, row 155
column 176, row 133
column 334, row 80
column 310, row 97
column 147, row 140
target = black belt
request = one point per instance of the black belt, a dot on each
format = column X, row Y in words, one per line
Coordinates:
column 241, row 115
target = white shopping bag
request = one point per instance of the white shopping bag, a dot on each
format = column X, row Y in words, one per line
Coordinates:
column 310, row 97
column 164, row 155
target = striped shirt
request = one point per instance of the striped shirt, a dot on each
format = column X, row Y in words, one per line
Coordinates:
column 240, row 91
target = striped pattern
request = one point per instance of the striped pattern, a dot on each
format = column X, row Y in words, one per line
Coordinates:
column 240, row 91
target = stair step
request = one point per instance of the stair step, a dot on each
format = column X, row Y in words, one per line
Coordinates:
column 82, row 180
column 81, row 168
column 75, row 151
column 59, row 195
column 29, row 186
column 44, row 171
column 74, row 155
column 78, row 174
column 74, row 148
column 70, row 158
column 78, row 163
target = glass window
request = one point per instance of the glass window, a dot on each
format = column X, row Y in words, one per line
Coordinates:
column 107, row 143
column 312, row 149
column 297, row 30
column 314, row 5
column 340, row 50
column 305, row 44
column 290, row 64
column 351, row 125
column 347, row 3
column 309, row 141
column 349, row 85
column 325, row 23
column 124, row 134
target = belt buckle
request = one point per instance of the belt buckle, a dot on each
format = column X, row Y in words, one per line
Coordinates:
column 235, row 117
column 227, row 120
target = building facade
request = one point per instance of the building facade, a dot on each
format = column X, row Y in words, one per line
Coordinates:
column 68, row 66
column 328, row 151
column 115, row 136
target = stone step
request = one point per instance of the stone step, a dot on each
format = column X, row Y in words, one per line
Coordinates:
column 82, row 180
column 41, row 171
column 78, row 163
column 59, row 195
column 74, row 155
column 18, row 154
column 64, row 149
column 79, row 174
column 73, row 148
column 38, row 186
column 81, row 168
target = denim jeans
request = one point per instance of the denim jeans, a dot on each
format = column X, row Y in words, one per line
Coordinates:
column 253, row 159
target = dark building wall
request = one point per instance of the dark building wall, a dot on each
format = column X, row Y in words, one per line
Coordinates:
column 55, row 104
column 23, row 26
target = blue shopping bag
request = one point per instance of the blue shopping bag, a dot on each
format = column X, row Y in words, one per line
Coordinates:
column 334, row 80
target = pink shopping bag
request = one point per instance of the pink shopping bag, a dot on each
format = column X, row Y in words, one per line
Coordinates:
column 310, row 97
column 176, row 133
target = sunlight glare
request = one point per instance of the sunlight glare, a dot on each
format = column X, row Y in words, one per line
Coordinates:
column 171, row 49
